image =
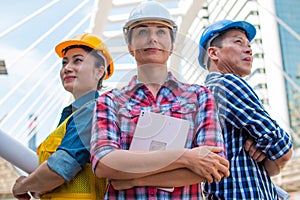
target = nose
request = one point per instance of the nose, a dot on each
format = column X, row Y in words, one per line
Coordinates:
column 248, row 50
column 152, row 37
column 67, row 68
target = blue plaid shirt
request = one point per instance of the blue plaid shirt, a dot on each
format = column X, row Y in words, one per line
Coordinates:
column 242, row 116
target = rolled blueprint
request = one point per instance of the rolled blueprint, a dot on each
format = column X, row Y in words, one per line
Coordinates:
column 17, row 154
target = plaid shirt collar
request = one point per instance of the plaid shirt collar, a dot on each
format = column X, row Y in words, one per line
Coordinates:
column 171, row 82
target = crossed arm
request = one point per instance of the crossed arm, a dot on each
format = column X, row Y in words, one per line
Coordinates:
column 266, row 134
column 185, row 176
column 42, row 180
column 167, row 168
column 273, row 167
column 171, row 168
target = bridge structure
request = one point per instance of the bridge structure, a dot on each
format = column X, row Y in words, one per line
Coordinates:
column 30, row 83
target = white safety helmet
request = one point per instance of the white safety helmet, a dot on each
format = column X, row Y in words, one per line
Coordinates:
column 149, row 12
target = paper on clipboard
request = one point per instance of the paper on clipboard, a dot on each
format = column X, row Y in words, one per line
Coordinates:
column 156, row 131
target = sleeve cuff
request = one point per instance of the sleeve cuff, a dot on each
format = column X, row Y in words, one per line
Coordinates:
column 63, row 164
column 97, row 155
column 279, row 147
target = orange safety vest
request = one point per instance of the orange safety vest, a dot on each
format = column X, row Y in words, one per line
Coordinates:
column 85, row 185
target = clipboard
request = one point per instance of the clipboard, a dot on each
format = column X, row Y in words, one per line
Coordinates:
column 158, row 132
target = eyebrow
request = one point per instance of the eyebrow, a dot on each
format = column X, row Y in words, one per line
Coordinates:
column 240, row 32
column 238, row 36
column 74, row 56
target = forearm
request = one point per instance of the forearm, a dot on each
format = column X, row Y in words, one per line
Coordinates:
column 274, row 167
column 42, row 180
column 174, row 178
column 122, row 164
column 282, row 161
column 203, row 161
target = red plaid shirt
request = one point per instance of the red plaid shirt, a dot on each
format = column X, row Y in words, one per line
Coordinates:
column 116, row 117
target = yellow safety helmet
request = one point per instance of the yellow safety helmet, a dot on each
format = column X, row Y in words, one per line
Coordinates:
column 91, row 41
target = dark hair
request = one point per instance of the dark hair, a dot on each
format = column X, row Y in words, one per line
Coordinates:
column 99, row 59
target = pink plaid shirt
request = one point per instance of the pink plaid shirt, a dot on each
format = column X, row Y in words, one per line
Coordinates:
column 117, row 113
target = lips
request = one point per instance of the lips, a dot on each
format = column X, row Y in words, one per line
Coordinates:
column 69, row 78
column 248, row 58
column 152, row 49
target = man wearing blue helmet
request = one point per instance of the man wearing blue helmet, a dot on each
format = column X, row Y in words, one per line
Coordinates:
column 257, row 147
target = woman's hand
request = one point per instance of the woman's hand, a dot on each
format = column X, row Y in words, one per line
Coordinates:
column 19, row 190
column 206, row 162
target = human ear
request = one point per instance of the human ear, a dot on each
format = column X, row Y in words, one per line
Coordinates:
column 212, row 53
column 130, row 49
column 99, row 72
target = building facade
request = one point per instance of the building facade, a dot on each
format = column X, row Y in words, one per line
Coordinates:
column 289, row 29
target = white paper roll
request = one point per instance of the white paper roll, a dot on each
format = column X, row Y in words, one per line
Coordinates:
column 17, row 154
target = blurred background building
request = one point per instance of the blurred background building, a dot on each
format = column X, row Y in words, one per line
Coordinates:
column 3, row 70
column 35, row 87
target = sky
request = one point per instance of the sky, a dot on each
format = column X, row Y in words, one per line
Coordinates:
column 29, row 31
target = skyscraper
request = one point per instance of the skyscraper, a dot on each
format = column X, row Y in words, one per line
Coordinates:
column 289, row 29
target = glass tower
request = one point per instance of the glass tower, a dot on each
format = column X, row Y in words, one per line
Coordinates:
column 289, row 29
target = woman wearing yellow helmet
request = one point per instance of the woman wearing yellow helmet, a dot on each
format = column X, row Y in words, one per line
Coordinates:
column 64, row 171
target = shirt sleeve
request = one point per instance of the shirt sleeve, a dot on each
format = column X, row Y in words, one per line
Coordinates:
column 105, row 131
column 208, row 132
column 239, row 105
column 70, row 166
column 73, row 152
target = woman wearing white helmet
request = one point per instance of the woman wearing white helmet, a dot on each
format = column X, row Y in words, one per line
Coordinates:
column 65, row 171
column 150, row 34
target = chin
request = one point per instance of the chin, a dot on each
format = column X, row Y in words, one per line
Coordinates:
column 68, row 88
column 245, row 74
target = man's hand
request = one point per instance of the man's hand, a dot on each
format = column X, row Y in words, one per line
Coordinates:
column 206, row 162
column 254, row 153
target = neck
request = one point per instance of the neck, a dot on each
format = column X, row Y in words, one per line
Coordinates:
column 79, row 94
column 152, row 73
column 213, row 68
column 153, row 76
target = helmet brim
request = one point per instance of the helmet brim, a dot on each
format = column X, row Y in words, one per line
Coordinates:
column 146, row 20
column 63, row 45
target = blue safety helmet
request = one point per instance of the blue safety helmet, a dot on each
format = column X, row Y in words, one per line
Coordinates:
column 213, row 30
